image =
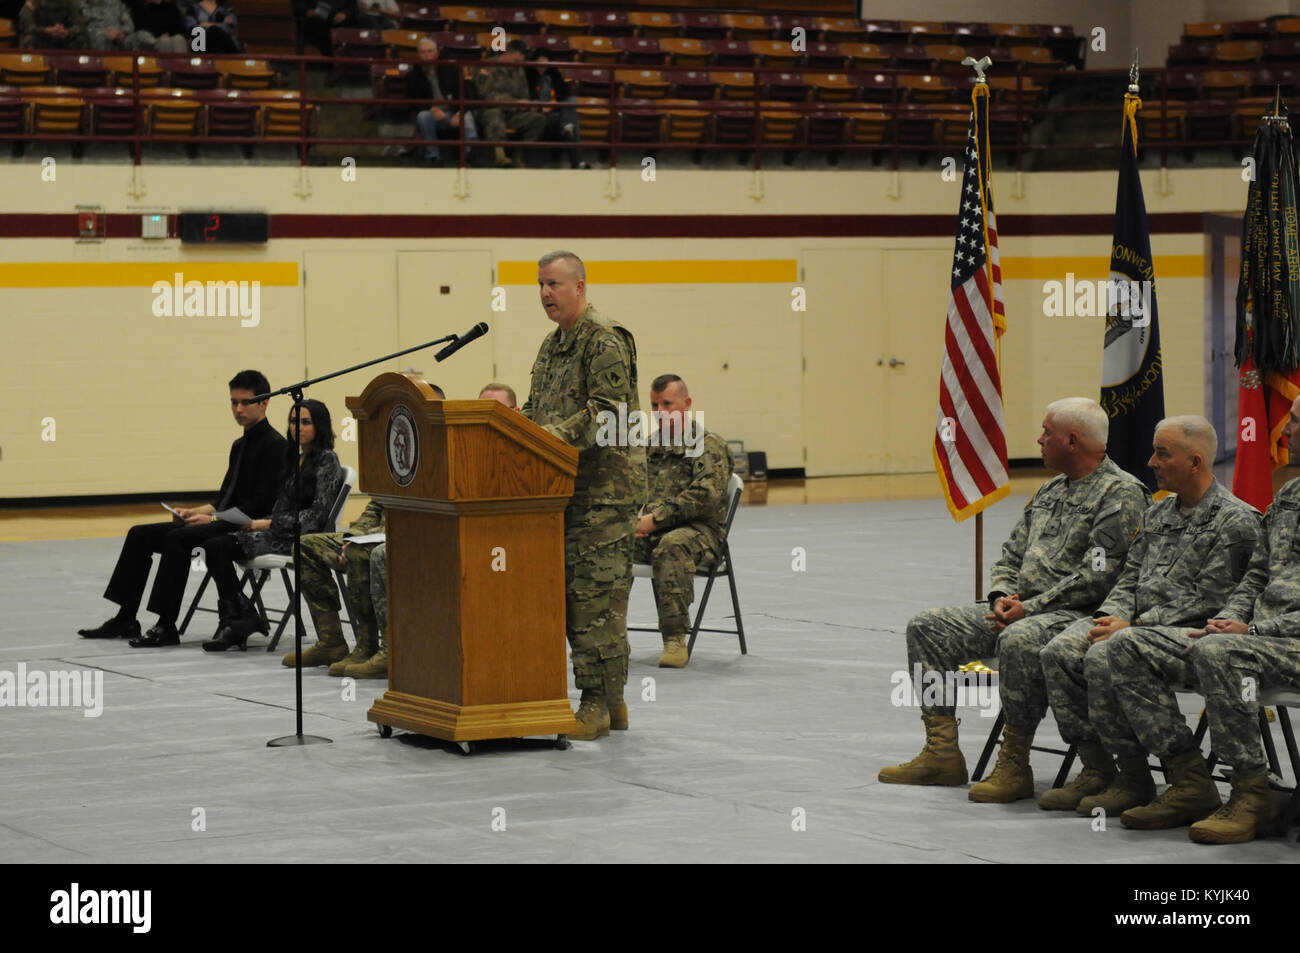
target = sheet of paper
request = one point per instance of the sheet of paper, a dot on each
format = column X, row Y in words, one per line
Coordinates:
column 171, row 511
column 234, row 515
column 367, row 538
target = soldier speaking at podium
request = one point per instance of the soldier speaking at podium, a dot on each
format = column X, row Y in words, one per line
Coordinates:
column 586, row 366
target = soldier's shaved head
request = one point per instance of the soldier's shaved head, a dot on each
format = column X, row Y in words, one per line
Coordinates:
column 575, row 263
column 1197, row 433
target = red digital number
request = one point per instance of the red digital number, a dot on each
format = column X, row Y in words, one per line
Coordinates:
column 209, row 233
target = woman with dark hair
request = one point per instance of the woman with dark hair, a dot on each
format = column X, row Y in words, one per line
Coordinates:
column 322, row 476
column 220, row 26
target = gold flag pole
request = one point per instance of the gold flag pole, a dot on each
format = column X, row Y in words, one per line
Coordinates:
column 980, row 66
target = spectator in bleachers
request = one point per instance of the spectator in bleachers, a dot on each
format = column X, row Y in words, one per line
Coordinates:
column 109, row 26
column 325, row 15
column 432, row 84
column 162, row 22
column 509, row 84
column 219, row 23
column 548, row 85
column 51, row 25
column 380, row 14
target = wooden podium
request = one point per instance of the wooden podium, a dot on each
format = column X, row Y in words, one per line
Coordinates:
column 474, row 495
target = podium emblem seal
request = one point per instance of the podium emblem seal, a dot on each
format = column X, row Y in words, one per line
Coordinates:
column 403, row 445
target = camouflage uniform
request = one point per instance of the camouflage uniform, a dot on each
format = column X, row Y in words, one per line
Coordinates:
column 320, row 557
column 42, row 13
column 1180, row 569
column 1062, row 558
column 104, row 15
column 379, row 590
column 688, row 500
column 578, row 374
column 1268, row 596
column 509, row 84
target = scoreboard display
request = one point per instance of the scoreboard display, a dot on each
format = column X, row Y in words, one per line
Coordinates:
column 212, row 228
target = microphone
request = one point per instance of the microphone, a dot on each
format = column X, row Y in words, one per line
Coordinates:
column 473, row 334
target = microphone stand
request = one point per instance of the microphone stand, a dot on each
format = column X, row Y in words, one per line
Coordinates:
column 295, row 390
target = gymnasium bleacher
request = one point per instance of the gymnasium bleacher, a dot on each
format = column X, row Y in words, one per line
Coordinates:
column 666, row 80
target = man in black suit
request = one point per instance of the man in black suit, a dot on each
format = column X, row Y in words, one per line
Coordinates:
column 251, row 483
column 431, row 84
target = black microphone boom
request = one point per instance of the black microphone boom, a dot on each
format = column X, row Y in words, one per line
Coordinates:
column 473, row 334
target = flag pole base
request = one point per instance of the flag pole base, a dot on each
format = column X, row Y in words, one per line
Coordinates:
column 291, row 741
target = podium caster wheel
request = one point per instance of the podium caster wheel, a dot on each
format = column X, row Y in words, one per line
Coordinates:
column 466, row 747
column 385, row 731
column 562, row 742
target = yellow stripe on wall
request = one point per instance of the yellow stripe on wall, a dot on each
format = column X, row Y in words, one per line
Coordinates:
column 131, row 274
column 675, row 272
column 1016, row 268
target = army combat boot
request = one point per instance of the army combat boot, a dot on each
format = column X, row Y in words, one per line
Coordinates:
column 674, row 653
column 1247, row 815
column 1131, row 787
column 1192, row 796
column 940, row 761
column 1097, row 774
column 592, row 716
column 367, row 645
column 374, row 667
column 1012, row 778
column 615, row 680
column 330, row 645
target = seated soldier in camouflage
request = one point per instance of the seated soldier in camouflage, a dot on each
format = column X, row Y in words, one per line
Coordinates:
column 322, row 553
column 1251, row 646
column 1061, row 559
column 680, row 528
column 1193, row 548
column 51, row 24
column 507, row 84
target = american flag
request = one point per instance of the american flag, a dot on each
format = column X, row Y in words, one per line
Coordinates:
column 970, row 444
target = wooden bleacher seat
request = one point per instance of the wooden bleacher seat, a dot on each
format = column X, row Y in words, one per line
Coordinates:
column 518, row 22
column 467, row 19
column 685, row 51
column 123, row 71
column 1250, row 30
column 908, row 57
column 1237, row 52
column 684, row 120
column 1014, row 34
column 608, row 23
column 54, row 110
column 734, row 84
column 281, row 112
column 1225, row 84
column 112, row 111
column 748, row 26
column 658, row 24
column 1190, row 54
column 927, row 88
column 8, row 36
column 840, row 29
column 23, row 69
column 420, row 16
column 946, row 56
column 689, row 84
column 78, row 69
column 195, row 72
column 642, row 83
column 1209, row 31
column 402, row 44
column 593, row 119
column 594, row 49
column 825, row 56
column 640, row 50
column 833, row 87
column 729, row 54
column 702, row 26
column 1004, row 91
column 972, row 33
column 640, row 121
column 1039, row 60
column 572, row 22
column 864, row 55
column 245, row 74
column 229, row 112
column 785, row 87
column 775, row 53
column 170, row 111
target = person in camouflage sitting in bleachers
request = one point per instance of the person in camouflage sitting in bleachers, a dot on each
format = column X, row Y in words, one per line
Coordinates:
column 51, row 25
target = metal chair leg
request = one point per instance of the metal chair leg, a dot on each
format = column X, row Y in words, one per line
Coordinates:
column 194, row 603
column 994, row 737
